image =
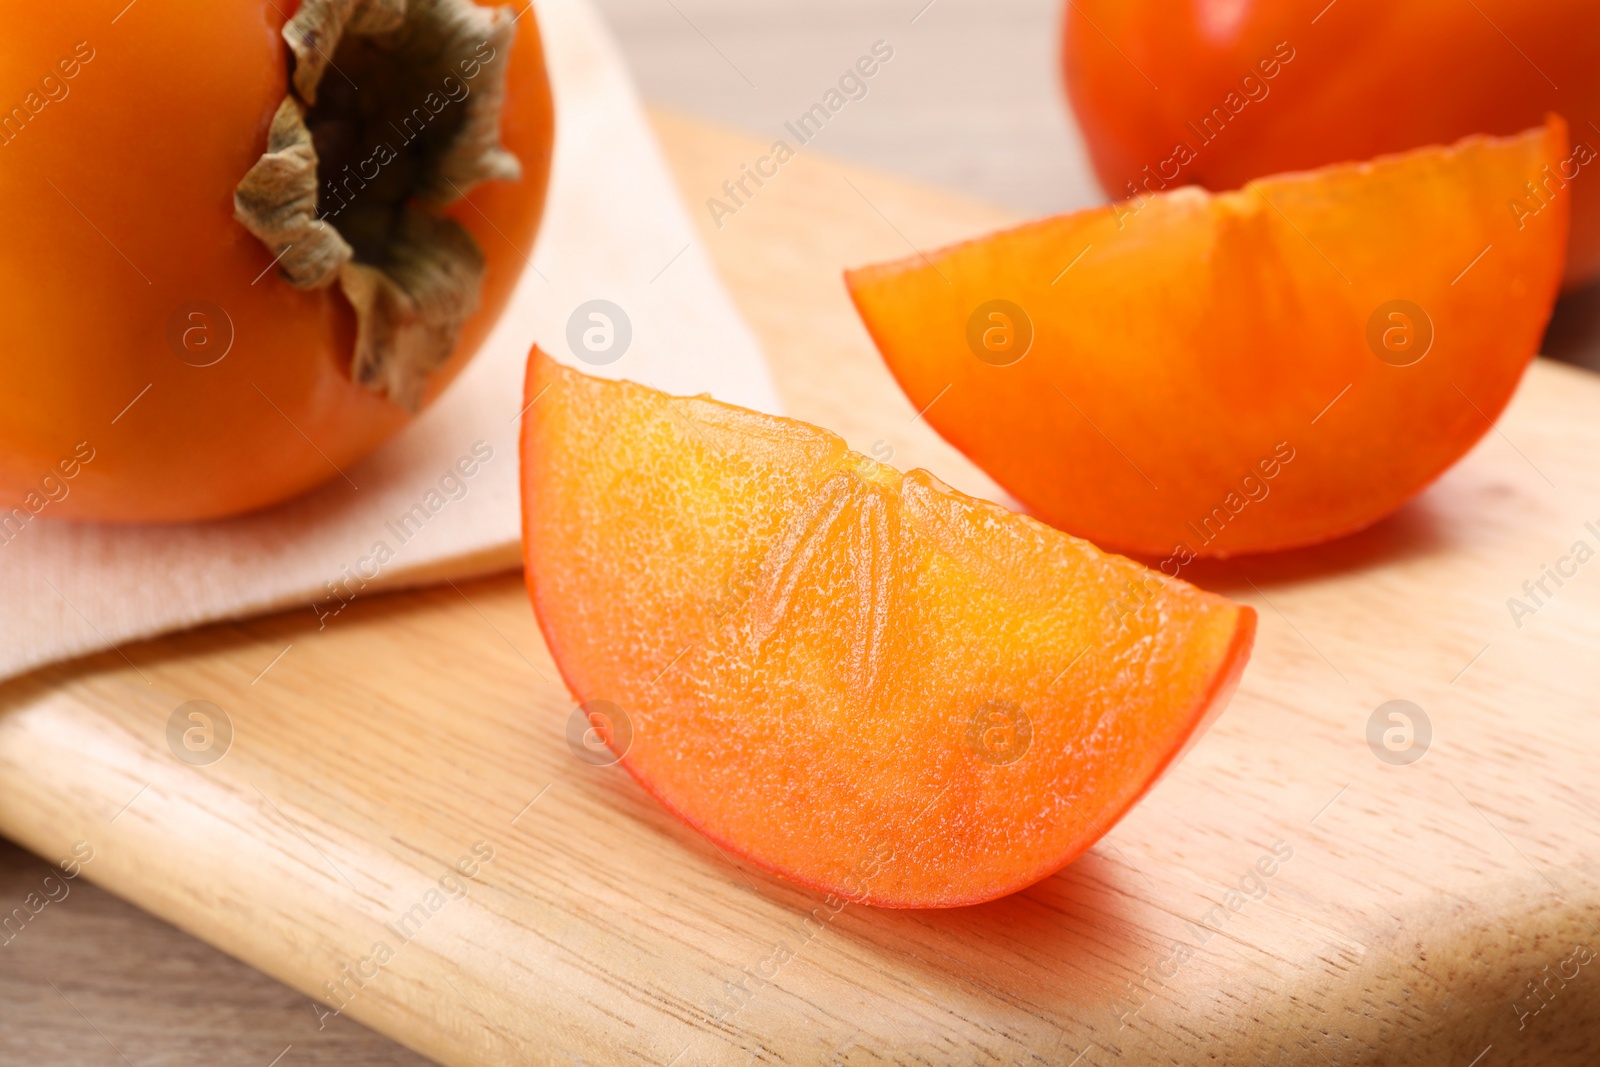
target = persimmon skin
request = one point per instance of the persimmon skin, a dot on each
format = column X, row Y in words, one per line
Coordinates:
column 1204, row 378
column 117, row 207
column 1369, row 77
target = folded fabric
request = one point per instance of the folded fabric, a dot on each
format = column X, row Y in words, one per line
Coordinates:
column 617, row 271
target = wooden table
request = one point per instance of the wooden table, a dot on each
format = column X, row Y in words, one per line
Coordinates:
column 1283, row 896
column 92, row 976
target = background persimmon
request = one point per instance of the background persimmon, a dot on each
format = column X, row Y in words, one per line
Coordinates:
column 1328, row 83
column 138, row 316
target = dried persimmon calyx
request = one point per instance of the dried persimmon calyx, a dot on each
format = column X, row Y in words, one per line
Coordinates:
column 393, row 113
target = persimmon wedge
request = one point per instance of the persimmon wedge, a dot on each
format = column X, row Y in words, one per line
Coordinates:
column 1196, row 374
column 859, row 679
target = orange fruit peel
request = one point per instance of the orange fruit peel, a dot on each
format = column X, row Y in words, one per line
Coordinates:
column 1253, row 87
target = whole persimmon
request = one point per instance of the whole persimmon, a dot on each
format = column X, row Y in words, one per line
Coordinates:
column 1216, row 92
column 245, row 241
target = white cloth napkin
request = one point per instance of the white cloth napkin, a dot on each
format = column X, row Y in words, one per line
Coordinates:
column 614, row 230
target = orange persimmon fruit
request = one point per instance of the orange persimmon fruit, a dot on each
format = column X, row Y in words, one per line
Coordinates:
column 1195, row 374
column 859, row 679
column 144, row 325
column 1255, row 87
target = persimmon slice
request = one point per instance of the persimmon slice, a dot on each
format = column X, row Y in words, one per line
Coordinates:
column 1195, row 374
column 859, row 679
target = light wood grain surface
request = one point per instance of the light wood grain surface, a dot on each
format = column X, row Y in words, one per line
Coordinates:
column 90, row 979
column 1283, row 896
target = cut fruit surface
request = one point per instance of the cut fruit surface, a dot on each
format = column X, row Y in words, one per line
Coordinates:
column 1195, row 374
column 859, row 679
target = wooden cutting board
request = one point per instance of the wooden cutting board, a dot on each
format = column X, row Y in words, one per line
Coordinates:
column 399, row 827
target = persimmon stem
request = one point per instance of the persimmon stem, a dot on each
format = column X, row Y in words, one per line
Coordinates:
column 393, row 113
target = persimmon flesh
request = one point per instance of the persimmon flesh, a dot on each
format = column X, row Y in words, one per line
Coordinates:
column 123, row 268
column 859, row 679
column 1255, row 87
column 1195, row 374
